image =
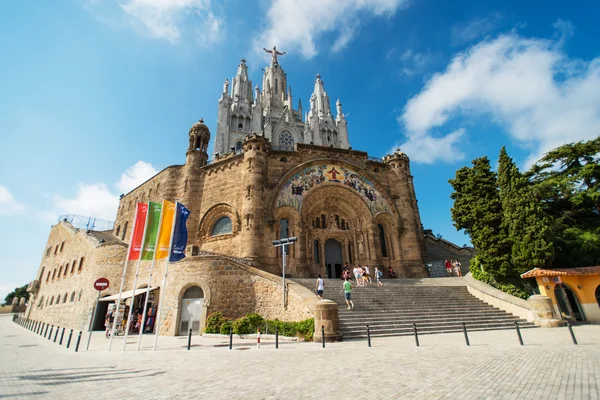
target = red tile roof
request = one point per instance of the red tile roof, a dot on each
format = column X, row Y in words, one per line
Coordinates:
column 561, row 272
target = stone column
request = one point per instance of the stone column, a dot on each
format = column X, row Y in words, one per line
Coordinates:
column 326, row 315
column 254, row 178
column 373, row 249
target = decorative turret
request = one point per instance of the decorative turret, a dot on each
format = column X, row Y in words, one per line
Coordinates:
column 199, row 136
column 326, row 131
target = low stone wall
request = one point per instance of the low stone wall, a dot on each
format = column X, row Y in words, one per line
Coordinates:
column 499, row 299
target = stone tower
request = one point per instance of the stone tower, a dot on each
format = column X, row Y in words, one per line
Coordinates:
column 270, row 112
column 196, row 154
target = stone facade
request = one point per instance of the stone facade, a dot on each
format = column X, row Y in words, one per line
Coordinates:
column 343, row 206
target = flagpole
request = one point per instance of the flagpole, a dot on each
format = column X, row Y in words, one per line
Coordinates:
column 112, row 333
column 137, row 272
column 150, row 276
column 164, row 283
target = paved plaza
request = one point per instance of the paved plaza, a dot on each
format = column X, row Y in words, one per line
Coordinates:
column 495, row 366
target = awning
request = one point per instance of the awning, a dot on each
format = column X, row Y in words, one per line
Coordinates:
column 128, row 294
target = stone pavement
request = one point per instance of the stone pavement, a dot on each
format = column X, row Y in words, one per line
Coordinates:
column 495, row 366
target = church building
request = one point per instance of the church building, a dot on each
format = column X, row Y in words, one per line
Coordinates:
column 275, row 172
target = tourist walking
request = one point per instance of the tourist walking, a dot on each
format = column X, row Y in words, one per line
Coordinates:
column 365, row 277
column 456, row 266
column 358, row 275
column 378, row 276
column 320, row 287
column 368, row 274
column 448, row 267
column 348, row 294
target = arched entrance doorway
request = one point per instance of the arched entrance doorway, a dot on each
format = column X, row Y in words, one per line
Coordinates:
column 333, row 258
column 191, row 310
column 598, row 295
column 101, row 312
column 568, row 303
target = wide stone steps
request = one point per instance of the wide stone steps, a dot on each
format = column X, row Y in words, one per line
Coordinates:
column 434, row 305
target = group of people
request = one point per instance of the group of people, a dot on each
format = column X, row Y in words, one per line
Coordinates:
column 362, row 274
column 453, row 267
column 135, row 324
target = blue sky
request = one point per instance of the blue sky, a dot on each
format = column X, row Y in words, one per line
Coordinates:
column 97, row 95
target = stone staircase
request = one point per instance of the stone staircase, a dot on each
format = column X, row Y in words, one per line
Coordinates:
column 436, row 305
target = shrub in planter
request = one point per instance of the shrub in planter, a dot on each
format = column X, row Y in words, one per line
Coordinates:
column 214, row 322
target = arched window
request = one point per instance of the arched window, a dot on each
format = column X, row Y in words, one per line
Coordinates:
column 323, row 221
column 73, row 266
column 59, row 272
column 48, row 278
column 238, row 145
column 223, row 226
column 41, row 302
column 316, row 251
column 384, row 252
column 276, row 85
column 62, row 246
column 65, row 298
column 80, row 264
column 240, row 126
column 284, row 230
column 194, row 292
column 124, row 230
column 54, row 274
column 118, row 231
column 317, row 222
column 72, row 299
column 51, row 300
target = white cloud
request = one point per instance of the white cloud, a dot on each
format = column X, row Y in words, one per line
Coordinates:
column 94, row 200
column 97, row 199
column 134, row 176
column 414, row 62
column 296, row 24
column 475, row 29
column 8, row 204
column 528, row 86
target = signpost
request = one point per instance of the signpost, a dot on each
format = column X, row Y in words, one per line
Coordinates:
column 100, row 285
column 284, row 243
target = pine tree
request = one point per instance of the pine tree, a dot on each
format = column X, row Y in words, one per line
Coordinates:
column 478, row 210
column 523, row 218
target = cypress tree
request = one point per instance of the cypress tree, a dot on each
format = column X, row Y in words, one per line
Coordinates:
column 523, row 218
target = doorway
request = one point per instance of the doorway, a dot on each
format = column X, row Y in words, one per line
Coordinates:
column 570, row 307
column 333, row 258
column 101, row 311
column 191, row 310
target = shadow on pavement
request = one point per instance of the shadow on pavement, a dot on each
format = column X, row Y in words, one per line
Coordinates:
column 75, row 376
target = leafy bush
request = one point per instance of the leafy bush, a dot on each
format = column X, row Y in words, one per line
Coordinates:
column 225, row 327
column 251, row 322
column 214, row 322
column 513, row 287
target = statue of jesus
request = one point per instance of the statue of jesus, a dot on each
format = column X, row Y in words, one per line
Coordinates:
column 274, row 53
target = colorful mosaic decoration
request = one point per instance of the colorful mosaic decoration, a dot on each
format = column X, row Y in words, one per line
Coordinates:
column 303, row 182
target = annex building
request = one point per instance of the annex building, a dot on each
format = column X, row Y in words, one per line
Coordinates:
column 276, row 171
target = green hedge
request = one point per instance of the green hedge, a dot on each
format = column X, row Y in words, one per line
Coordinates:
column 516, row 287
column 218, row 323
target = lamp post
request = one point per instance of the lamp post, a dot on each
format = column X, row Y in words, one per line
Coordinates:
column 284, row 243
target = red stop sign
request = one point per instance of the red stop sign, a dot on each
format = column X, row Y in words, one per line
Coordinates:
column 101, row 284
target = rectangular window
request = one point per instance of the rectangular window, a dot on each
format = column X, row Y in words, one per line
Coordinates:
column 73, row 266
column 53, row 273
column 62, row 245
column 56, row 250
column 80, row 265
column 48, row 250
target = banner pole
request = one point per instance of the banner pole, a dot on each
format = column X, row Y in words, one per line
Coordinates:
column 137, row 272
column 150, row 275
column 164, row 283
column 112, row 332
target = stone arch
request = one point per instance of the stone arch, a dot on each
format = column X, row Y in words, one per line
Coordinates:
column 205, row 305
column 213, row 214
column 285, row 178
column 391, row 227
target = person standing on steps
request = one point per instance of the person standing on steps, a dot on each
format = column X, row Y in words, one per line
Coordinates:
column 378, row 276
column 348, row 294
column 367, row 274
column 320, row 287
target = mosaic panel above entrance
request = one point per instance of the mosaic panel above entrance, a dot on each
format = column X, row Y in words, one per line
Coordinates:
column 303, row 182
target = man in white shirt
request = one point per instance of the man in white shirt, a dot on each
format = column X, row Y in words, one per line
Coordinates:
column 320, row 287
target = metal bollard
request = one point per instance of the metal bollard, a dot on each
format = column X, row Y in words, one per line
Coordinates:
column 416, row 334
column 230, row 338
column 276, row 337
column 466, row 336
column 258, row 339
column 323, row 335
column 69, row 340
column 56, row 334
column 78, row 341
column 368, row 335
column 45, row 330
column 50, row 334
column 62, row 334
column 571, row 332
column 190, row 339
column 518, row 332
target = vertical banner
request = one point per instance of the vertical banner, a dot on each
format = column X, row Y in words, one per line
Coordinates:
column 151, row 230
column 180, row 234
column 137, row 236
column 166, row 228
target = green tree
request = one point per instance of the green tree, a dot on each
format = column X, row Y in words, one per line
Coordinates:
column 18, row 292
column 478, row 210
column 523, row 218
column 567, row 182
